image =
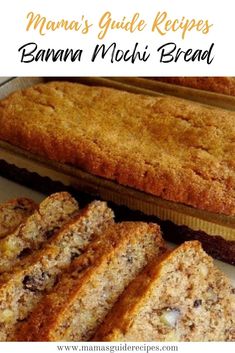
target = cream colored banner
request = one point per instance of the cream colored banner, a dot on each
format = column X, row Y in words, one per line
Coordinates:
column 103, row 37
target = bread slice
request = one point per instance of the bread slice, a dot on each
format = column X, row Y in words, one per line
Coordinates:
column 14, row 212
column 53, row 212
column 21, row 290
column 183, row 297
column 93, row 283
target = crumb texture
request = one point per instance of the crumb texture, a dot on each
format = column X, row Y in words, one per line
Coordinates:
column 171, row 148
column 13, row 213
column 51, row 215
column 23, row 287
column 94, row 279
column 93, row 284
column 181, row 298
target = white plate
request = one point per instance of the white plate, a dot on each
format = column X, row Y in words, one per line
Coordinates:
column 10, row 189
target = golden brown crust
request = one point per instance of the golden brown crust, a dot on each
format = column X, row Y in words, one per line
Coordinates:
column 224, row 85
column 168, row 147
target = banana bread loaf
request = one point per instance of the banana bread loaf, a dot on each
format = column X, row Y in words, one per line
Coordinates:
column 175, row 149
column 53, row 212
column 224, row 85
column 14, row 212
column 93, row 283
column 182, row 297
column 21, row 289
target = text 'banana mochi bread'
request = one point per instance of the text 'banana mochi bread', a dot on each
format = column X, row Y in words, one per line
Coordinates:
column 14, row 212
column 53, row 212
column 93, row 283
column 22, row 289
column 172, row 148
column 184, row 297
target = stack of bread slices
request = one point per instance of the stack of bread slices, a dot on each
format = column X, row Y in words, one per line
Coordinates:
column 70, row 274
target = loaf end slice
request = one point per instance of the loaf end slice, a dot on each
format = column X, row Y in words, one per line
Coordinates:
column 184, row 297
column 13, row 213
column 53, row 212
column 79, row 303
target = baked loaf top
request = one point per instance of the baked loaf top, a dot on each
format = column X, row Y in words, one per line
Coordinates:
column 224, row 85
column 14, row 212
column 180, row 297
column 171, row 148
